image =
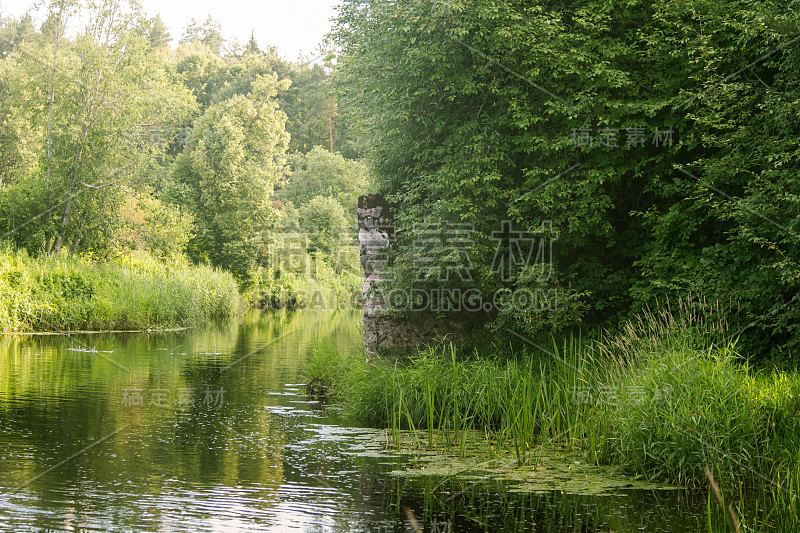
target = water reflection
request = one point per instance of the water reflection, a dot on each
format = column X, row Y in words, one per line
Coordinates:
column 208, row 430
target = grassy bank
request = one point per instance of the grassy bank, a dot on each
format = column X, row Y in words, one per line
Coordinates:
column 132, row 293
column 275, row 289
column 658, row 399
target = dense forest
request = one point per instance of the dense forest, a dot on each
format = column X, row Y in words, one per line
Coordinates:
column 118, row 140
column 655, row 142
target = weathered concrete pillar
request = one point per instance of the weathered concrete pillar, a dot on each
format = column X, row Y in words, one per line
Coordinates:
column 376, row 236
column 388, row 333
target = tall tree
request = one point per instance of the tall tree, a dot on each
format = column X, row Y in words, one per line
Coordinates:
column 252, row 45
column 330, row 230
column 202, row 71
column 321, row 173
column 639, row 130
column 209, row 34
column 17, row 138
column 93, row 112
column 14, row 32
column 157, row 33
column 234, row 156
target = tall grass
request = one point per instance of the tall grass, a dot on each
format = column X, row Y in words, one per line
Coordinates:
column 676, row 412
column 275, row 288
column 134, row 293
column 679, row 401
column 510, row 396
column 663, row 398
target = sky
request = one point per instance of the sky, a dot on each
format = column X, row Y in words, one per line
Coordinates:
column 294, row 26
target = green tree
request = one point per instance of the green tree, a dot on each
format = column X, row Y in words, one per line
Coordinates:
column 321, row 173
column 478, row 113
column 202, row 70
column 160, row 229
column 312, row 110
column 252, row 45
column 91, row 104
column 209, row 34
column 330, row 231
column 307, row 106
column 245, row 70
column 13, row 32
column 157, row 33
column 235, row 154
column 18, row 155
column 308, row 102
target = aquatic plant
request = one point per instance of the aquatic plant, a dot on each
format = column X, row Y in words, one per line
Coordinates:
column 131, row 293
column 663, row 398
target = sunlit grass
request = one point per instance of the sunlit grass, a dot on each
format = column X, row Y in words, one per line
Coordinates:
column 660, row 400
column 135, row 293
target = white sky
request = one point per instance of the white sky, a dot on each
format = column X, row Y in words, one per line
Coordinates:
column 293, row 26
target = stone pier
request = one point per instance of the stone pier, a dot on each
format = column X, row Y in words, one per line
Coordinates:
column 390, row 334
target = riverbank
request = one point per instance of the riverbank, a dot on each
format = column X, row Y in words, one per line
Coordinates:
column 133, row 293
column 278, row 289
column 138, row 292
column 659, row 400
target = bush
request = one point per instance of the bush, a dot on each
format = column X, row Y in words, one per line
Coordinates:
column 276, row 288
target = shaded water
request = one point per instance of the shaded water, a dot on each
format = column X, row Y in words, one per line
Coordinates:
column 209, row 430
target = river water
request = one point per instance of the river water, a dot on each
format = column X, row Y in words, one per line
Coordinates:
column 209, row 430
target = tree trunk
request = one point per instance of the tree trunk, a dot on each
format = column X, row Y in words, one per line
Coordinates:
column 77, row 240
column 59, row 242
column 59, row 34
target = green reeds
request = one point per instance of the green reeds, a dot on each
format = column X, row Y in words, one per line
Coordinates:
column 509, row 397
column 131, row 294
column 659, row 399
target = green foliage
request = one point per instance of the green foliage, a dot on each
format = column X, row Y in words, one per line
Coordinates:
column 208, row 34
column 85, row 106
column 321, row 173
column 309, row 107
column 323, row 188
column 18, row 155
column 234, row 156
column 202, row 71
column 275, row 288
column 13, row 32
column 311, row 111
column 471, row 111
column 162, row 230
column 328, row 223
column 310, row 256
column 134, row 293
column 156, row 32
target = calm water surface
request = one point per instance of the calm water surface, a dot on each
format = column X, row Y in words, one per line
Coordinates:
column 209, row 430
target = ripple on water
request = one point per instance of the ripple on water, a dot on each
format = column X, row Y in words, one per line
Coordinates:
column 268, row 459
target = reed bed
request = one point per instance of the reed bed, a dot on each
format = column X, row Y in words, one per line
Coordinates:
column 130, row 294
column 668, row 398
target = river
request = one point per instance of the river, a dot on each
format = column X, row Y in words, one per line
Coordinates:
column 208, row 429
